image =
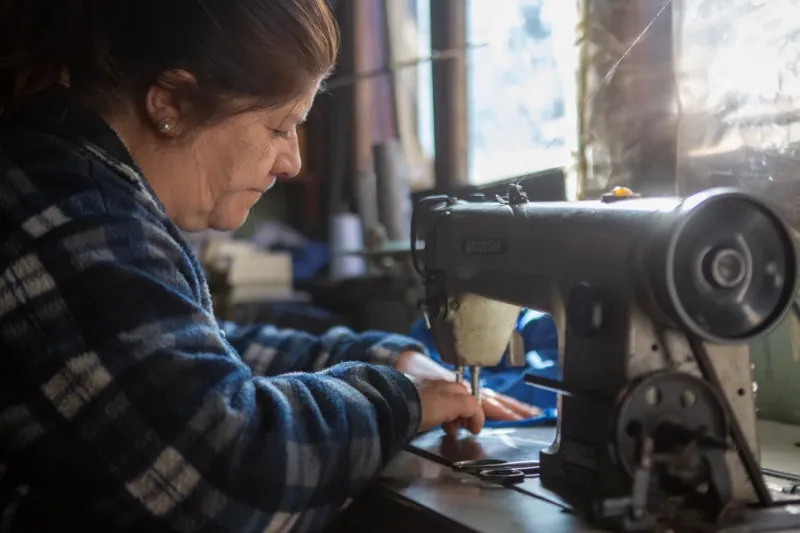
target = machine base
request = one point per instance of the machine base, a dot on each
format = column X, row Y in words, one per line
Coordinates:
column 526, row 443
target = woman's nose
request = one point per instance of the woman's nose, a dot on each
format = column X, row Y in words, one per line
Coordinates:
column 288, row 163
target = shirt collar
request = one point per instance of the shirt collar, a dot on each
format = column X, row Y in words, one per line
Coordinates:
column 56, row 110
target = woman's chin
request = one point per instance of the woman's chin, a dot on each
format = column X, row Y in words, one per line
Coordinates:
column 231, row 219
column 231, row 211
column 229, row 223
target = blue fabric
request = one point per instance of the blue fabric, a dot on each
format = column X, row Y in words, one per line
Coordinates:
column 308, row 260
column 126, row 403
column 540, row 339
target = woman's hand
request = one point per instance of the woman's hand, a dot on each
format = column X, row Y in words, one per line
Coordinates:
column 495, row 406
column 448, row 404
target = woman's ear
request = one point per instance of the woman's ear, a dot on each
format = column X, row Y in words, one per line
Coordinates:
column 166, row 104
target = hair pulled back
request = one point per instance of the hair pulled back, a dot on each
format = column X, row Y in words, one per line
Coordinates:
column 269, row 50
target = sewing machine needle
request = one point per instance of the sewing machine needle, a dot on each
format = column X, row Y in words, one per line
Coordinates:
column 459, row 374
column 474, row 374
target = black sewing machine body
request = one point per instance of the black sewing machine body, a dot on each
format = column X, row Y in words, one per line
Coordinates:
column 655, row 300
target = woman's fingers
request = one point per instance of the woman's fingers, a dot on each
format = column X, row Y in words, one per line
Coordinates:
column 506, row 407
column 445, row 403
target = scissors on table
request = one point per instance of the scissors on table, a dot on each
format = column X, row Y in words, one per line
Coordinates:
column 499, row 471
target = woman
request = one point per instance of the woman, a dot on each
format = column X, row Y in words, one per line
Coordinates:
column 124, row 405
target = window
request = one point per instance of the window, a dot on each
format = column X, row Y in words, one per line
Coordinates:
column 520, row 75
column 424, row 79
column 739, row 88
column 518, row 93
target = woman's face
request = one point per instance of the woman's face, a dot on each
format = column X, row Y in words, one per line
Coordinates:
column 210, row 178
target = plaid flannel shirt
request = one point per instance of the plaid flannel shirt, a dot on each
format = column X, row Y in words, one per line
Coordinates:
column 125, row 403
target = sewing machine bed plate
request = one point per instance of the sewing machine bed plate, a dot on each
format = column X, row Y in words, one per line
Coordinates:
column 503, row 444
column 423, row 478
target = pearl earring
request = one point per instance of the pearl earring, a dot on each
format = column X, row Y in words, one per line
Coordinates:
column 166, row 125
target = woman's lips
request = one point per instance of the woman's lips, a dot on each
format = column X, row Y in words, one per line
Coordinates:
column 272, row 181
column 262, row 190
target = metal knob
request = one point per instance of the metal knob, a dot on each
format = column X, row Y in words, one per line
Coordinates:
column 725, row 268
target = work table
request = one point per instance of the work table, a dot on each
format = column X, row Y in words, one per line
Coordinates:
column 418, row 494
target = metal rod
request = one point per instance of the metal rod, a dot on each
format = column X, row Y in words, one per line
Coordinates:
column 459, row 374
column 556, row 385
column 437, row 55
column 474, row 375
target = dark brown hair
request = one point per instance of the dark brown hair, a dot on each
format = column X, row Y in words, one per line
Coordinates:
column 269, row 50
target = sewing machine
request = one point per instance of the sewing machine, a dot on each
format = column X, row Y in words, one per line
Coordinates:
column 655, row 300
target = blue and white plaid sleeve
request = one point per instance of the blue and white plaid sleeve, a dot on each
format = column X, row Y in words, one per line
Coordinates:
column 129, row 401
column 270, row 351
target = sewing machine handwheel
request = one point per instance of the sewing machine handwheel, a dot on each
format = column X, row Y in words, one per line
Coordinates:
column 728, row 272
column 668, row 406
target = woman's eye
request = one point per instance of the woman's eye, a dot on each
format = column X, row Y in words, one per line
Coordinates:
column 282, row 134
